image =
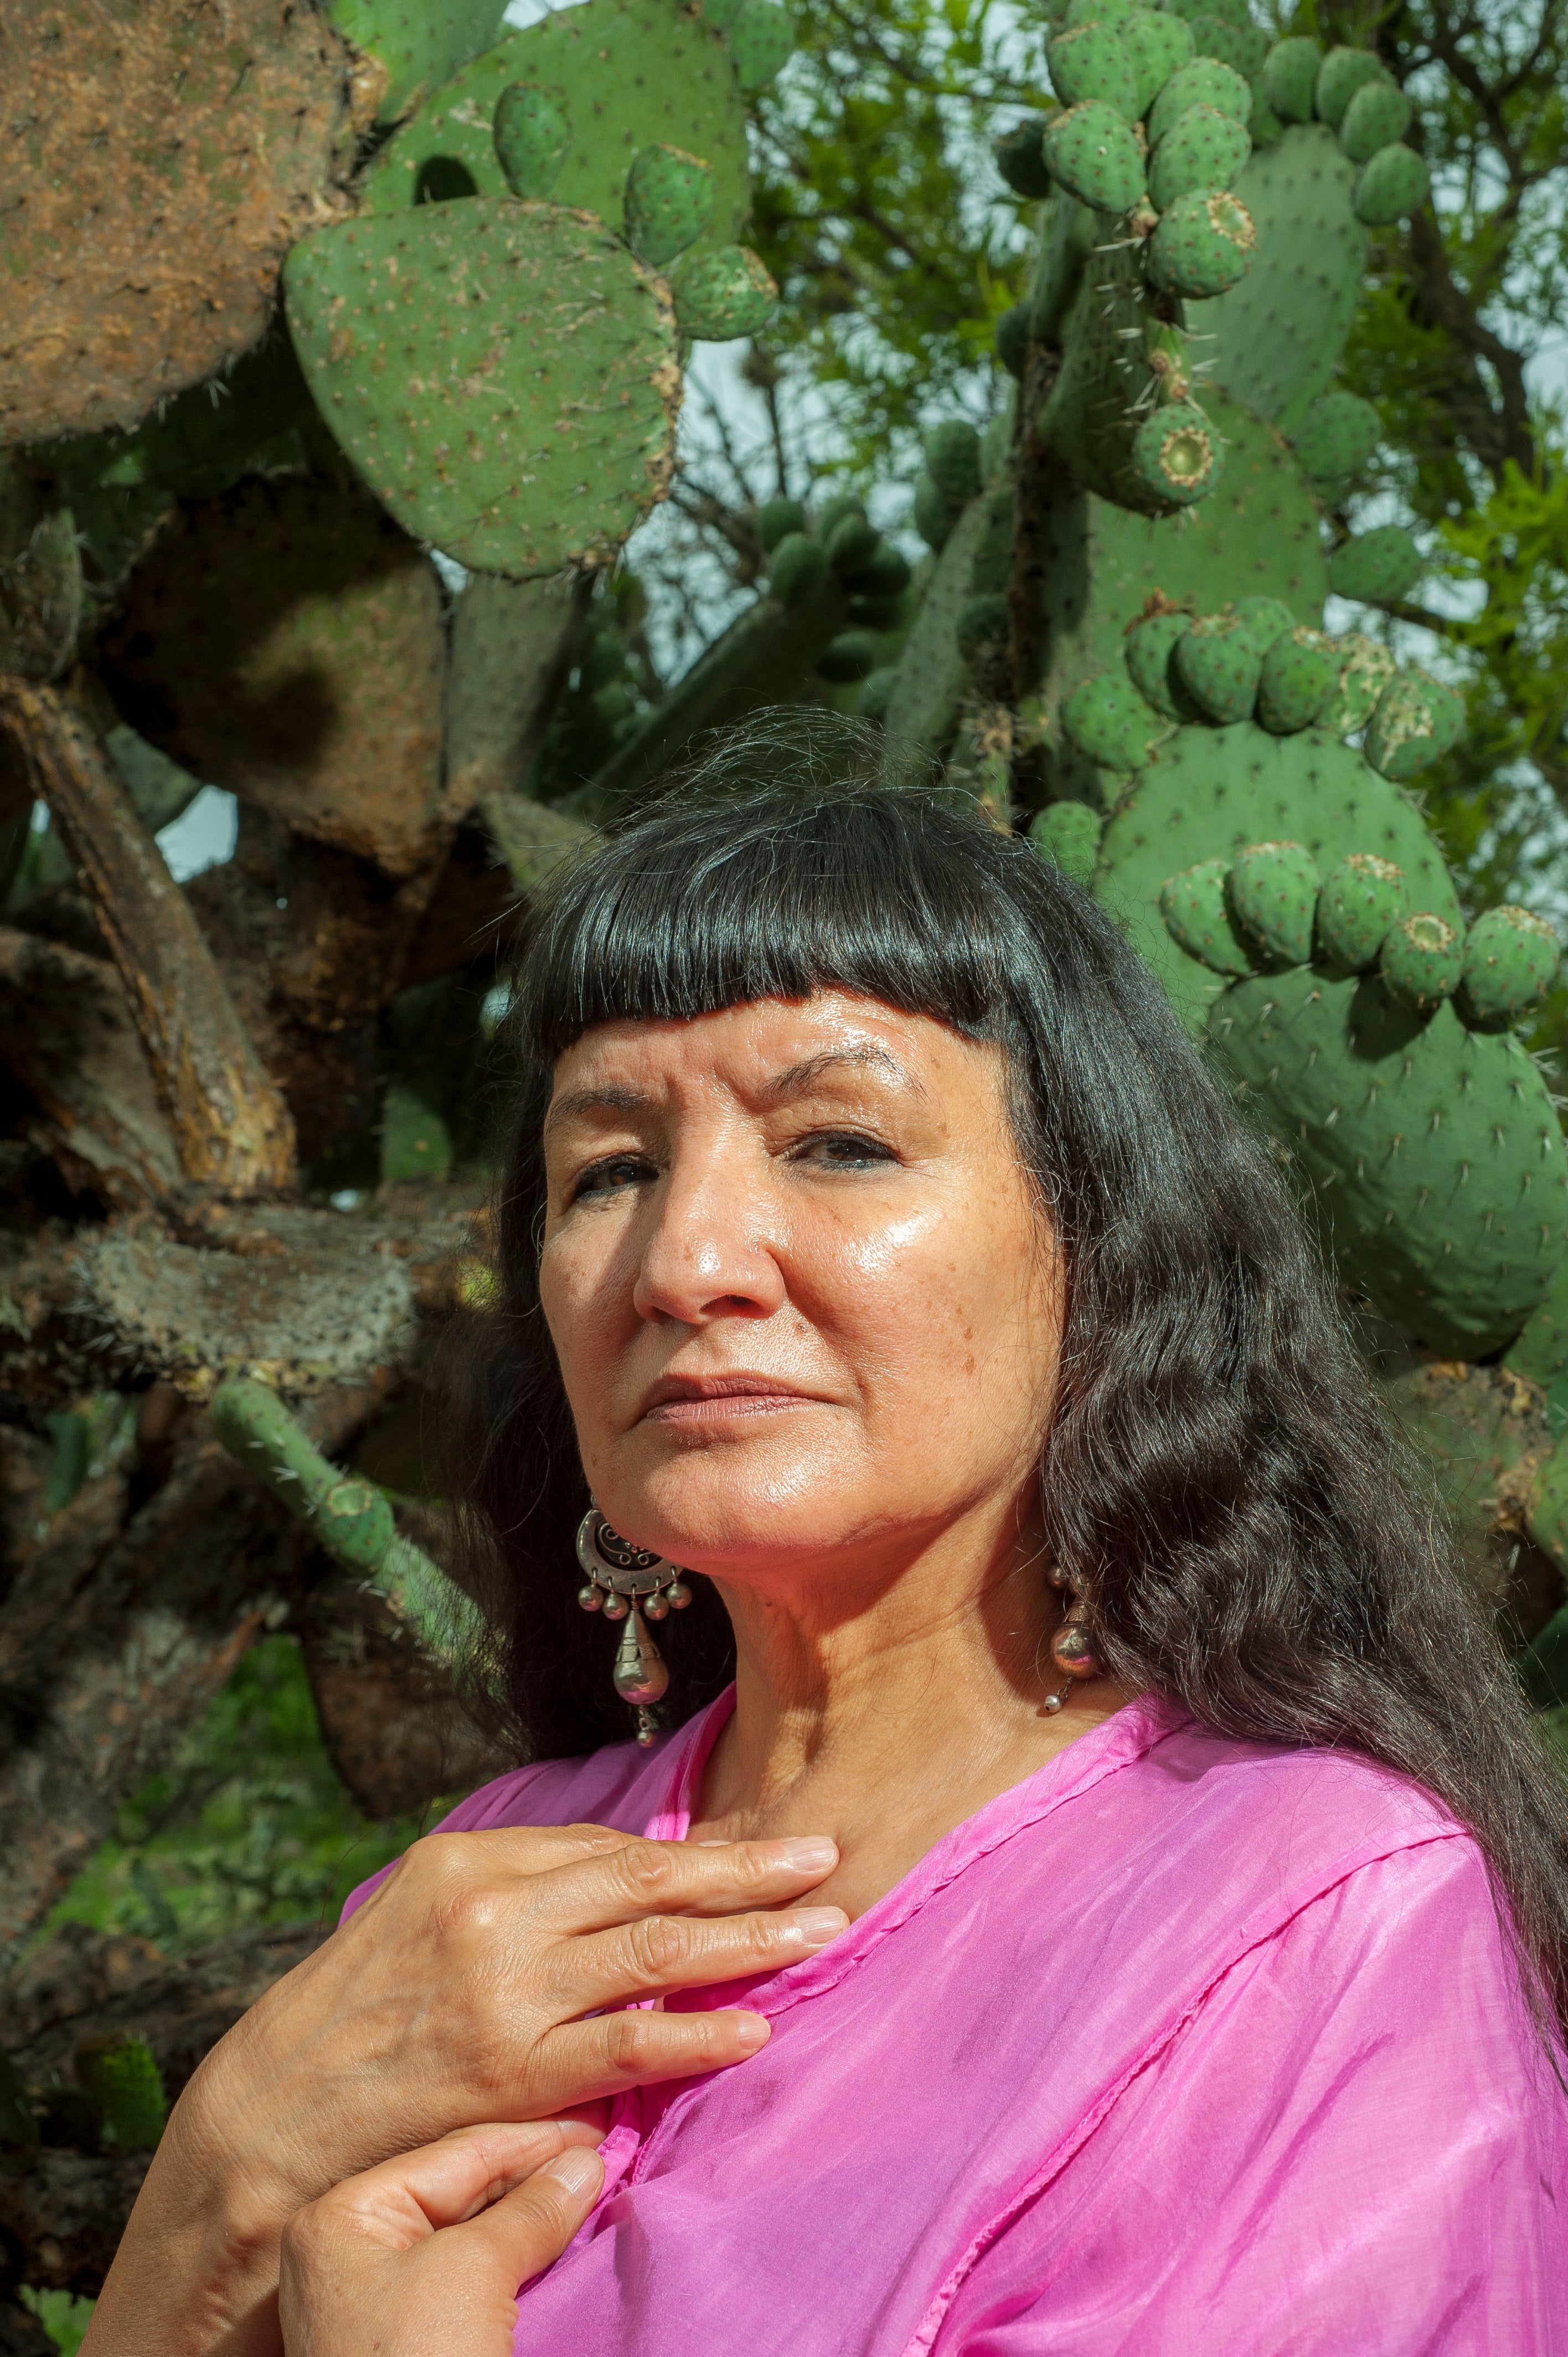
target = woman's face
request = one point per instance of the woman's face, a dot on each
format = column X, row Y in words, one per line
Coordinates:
column 802, row 1298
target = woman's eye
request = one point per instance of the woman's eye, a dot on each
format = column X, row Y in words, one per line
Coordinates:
column 843, row 1149
column 604, row 1177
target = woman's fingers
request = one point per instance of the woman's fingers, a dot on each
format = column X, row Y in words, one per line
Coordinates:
column 402, row 2201
column 595, row 1892
column 671, row 1952
column 587, row 2059
column 529, row 2227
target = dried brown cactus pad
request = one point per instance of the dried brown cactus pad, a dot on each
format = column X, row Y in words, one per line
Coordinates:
column 168, row 154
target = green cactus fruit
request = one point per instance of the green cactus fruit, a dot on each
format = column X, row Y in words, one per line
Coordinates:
column 1342, row 73
column 1092, row 62
column 1204, row 82
column 1203, row 149
column 422, row 43
column 1107, row 720
column 1020, row 160
column 1366, row 667
column 1422, row 960
column 984, row 624
column 668, row 203
column 438, row 344
column 122, row 2077
column 1273, row 892
column 1148, row 656
column 851, row 542
column 1011, row 337
column 1218, row 663
column 775, row 519
column 1510, row 960
column 933, row 518
column 1158, row 46
column 1379, row 115
column 1361, row 898
column 1090, row 152
column 1242, row 46
column 832, row 513
column 1416, row 721
column 798, row 567
column 1376, row 567
column 1390, row 186
column 1338, row 436
column 532, row 133
column 1290, row 78
column 723, row 294
column 1267, row 619
column 1264, row 126
column 1067, row 834
column 1202, row 245
column 851, row 656
column 1431, row 1154
column 1199, row 919
column 877, row 691
column 885, row 575
column 761, row 41
column 1177, row 454
column 1298, row 677
column 953, row 459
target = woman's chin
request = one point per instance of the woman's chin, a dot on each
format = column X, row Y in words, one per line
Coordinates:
column 734, row 1507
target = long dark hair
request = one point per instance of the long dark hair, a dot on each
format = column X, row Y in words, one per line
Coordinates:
column 1218, row 1477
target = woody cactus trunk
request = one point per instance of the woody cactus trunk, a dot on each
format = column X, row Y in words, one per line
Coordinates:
column 408, row 281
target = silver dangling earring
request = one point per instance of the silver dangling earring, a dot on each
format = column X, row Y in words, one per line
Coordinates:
column 1072, row 1648
column 624, row 1581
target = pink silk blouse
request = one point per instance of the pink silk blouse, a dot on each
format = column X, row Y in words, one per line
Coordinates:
column 1180, row 2047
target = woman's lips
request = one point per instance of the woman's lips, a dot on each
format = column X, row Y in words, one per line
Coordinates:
column 726, row 1402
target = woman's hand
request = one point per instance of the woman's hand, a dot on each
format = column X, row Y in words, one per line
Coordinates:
column 482, row 1982
column 425, row 2255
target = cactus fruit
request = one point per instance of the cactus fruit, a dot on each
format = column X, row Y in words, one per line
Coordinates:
column 1390, row 186
column 1090, row 152
column 952, row 461
column 1342, row 73
column 777, row 519
column 1378, row 115
column 1298, row 678
column 1218, row 663
column 1273, row 893
column 1177, row 454
column 761, row 37
column 1067, row 834
column 1203, row 149
column 1203, row 244
column 121, row 2080
column 421, row 43
column 1158, row 46
column 1510, row 960
column 1110, row 722
column 1337, row 437
column 1422, row 960
column 1360, row 899
column 1204, row 82
column 1091, row 61
column 1416, row 720
column 438, row 342
column 1290, row 78
column 851, row 542
column 851, row 655
column 1366, row 667
column 533, row 132
column 724, row 293
column 1021, row 160
column 1377, row 566
column 668, row 203
column 1267, row 619
column 1200, row 918
column 798, row 569
column 1148, row 654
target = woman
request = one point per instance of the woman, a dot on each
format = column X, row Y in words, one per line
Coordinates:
column 1119, row 1903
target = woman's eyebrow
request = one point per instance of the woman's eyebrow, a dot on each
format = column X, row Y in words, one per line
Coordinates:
column 796, row 1078
column 609, row 1099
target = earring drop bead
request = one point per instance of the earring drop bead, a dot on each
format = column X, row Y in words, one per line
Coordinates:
column 615, row 1607
column 678, row 1595
column 589, row 1598
column 657, row 1608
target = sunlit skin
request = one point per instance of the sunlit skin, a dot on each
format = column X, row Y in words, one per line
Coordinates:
column 807, row 1308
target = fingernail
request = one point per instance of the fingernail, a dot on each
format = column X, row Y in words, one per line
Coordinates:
column 815, row 1926
column 579, row 2170
column 813, row 1850
column 751, row 2031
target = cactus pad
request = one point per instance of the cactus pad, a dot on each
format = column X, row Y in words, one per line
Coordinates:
column 1157, row 46
column 952, row 461
column 1203, row 244
column 1298, row 679
column 1067, row 834
column 1290, row 78
column 1267, row 619
column 1422, row 960
column 121, row 2078
column 1416, row 721
column 502, row 374
column 1177, row 454
column 422, row 43
column 1200, row 918
column 1366, row 666
column 1378, row 115
column 1204, row 82
column 1376, row 567
column 1218, row 663
column 532, row 133
column 1360, row 899
column 724, row 293
column 798, row 569
column 1273, row 893
column 1110, row 722
column 1510, row 959
column 1091, row 151
column 1021, row 161
column 1092, row 62
column 1203, row 149
column 1390, row 186
column 777, row 519
column 1338, row 436
column 1342, row 73
column 1148, row 651
column 668, row 203
column 761, row 37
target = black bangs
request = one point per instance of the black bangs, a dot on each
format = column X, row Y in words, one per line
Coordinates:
column 705, row 906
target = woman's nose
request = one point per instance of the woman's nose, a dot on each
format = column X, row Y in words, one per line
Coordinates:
column 706, row 1255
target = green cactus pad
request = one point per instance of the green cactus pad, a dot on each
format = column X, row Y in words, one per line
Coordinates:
column 952, row 460
column 1290, row 78
column 1021, row 161
column 1199, row 919
column 1148, row 652
column 724, row 293
column 532, row 133
column 422, row 43
column 1299, row 676
column 1273, row 894
column 1110, row 722
column 1177, row 454
column 1338, row 436
column 798, row 569
column 1378, row 116
column 1067, row 834
column 1422, row 960
column 1158, row 46
column 832, row 513
column 1342, row 73
column 1092, row 62
column 1203, row 244
column 1203, row 149
column 1511, row 957
column 1218, row 663
column 775, row 519
column 1242, row 46
column 1204, row 82
column 1360, row 899
column 851, row 542
column 1090, row 152
column 668, row 203
column 1376, row 567
column 761, row 41
column 629, row 73
column 121, row 2079
column 1431, row 1154
column 1267, row 619
column 1416, row 721
column 851, row 656
column 885, row 575
column 1390, row 186
column 502, row 374
column 1011, row 337
column 933, row 517
column 1365, row 669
